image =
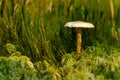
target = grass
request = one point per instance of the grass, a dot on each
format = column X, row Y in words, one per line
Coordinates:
column 38, row 29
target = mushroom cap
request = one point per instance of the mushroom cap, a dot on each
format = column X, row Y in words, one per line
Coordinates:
column 80, row 24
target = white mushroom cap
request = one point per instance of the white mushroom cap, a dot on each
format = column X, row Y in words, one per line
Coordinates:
column 80, row 24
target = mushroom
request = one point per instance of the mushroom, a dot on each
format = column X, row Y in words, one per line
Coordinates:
column 78, row 25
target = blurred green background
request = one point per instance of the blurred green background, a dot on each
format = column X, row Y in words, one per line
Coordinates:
column 37, row 29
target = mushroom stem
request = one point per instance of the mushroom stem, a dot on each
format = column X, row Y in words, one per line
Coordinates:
column 79, row 40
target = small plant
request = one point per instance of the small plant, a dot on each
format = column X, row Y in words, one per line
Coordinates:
column 11, row 50
column 46, row 71
column 16, row 68
column 80, row 75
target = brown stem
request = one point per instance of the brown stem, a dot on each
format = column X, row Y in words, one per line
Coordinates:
column 79, row 40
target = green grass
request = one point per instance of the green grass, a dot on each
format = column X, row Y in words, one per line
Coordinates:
column 38, row 28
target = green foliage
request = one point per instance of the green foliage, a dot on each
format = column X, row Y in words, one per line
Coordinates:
column 17, row 68
column 47, row 71
column 11, row 50
column 79, row 75
column 37, row 27
column 68, row 60
column 93, row 65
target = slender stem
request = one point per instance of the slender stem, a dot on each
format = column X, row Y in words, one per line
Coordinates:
column 79, row 40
